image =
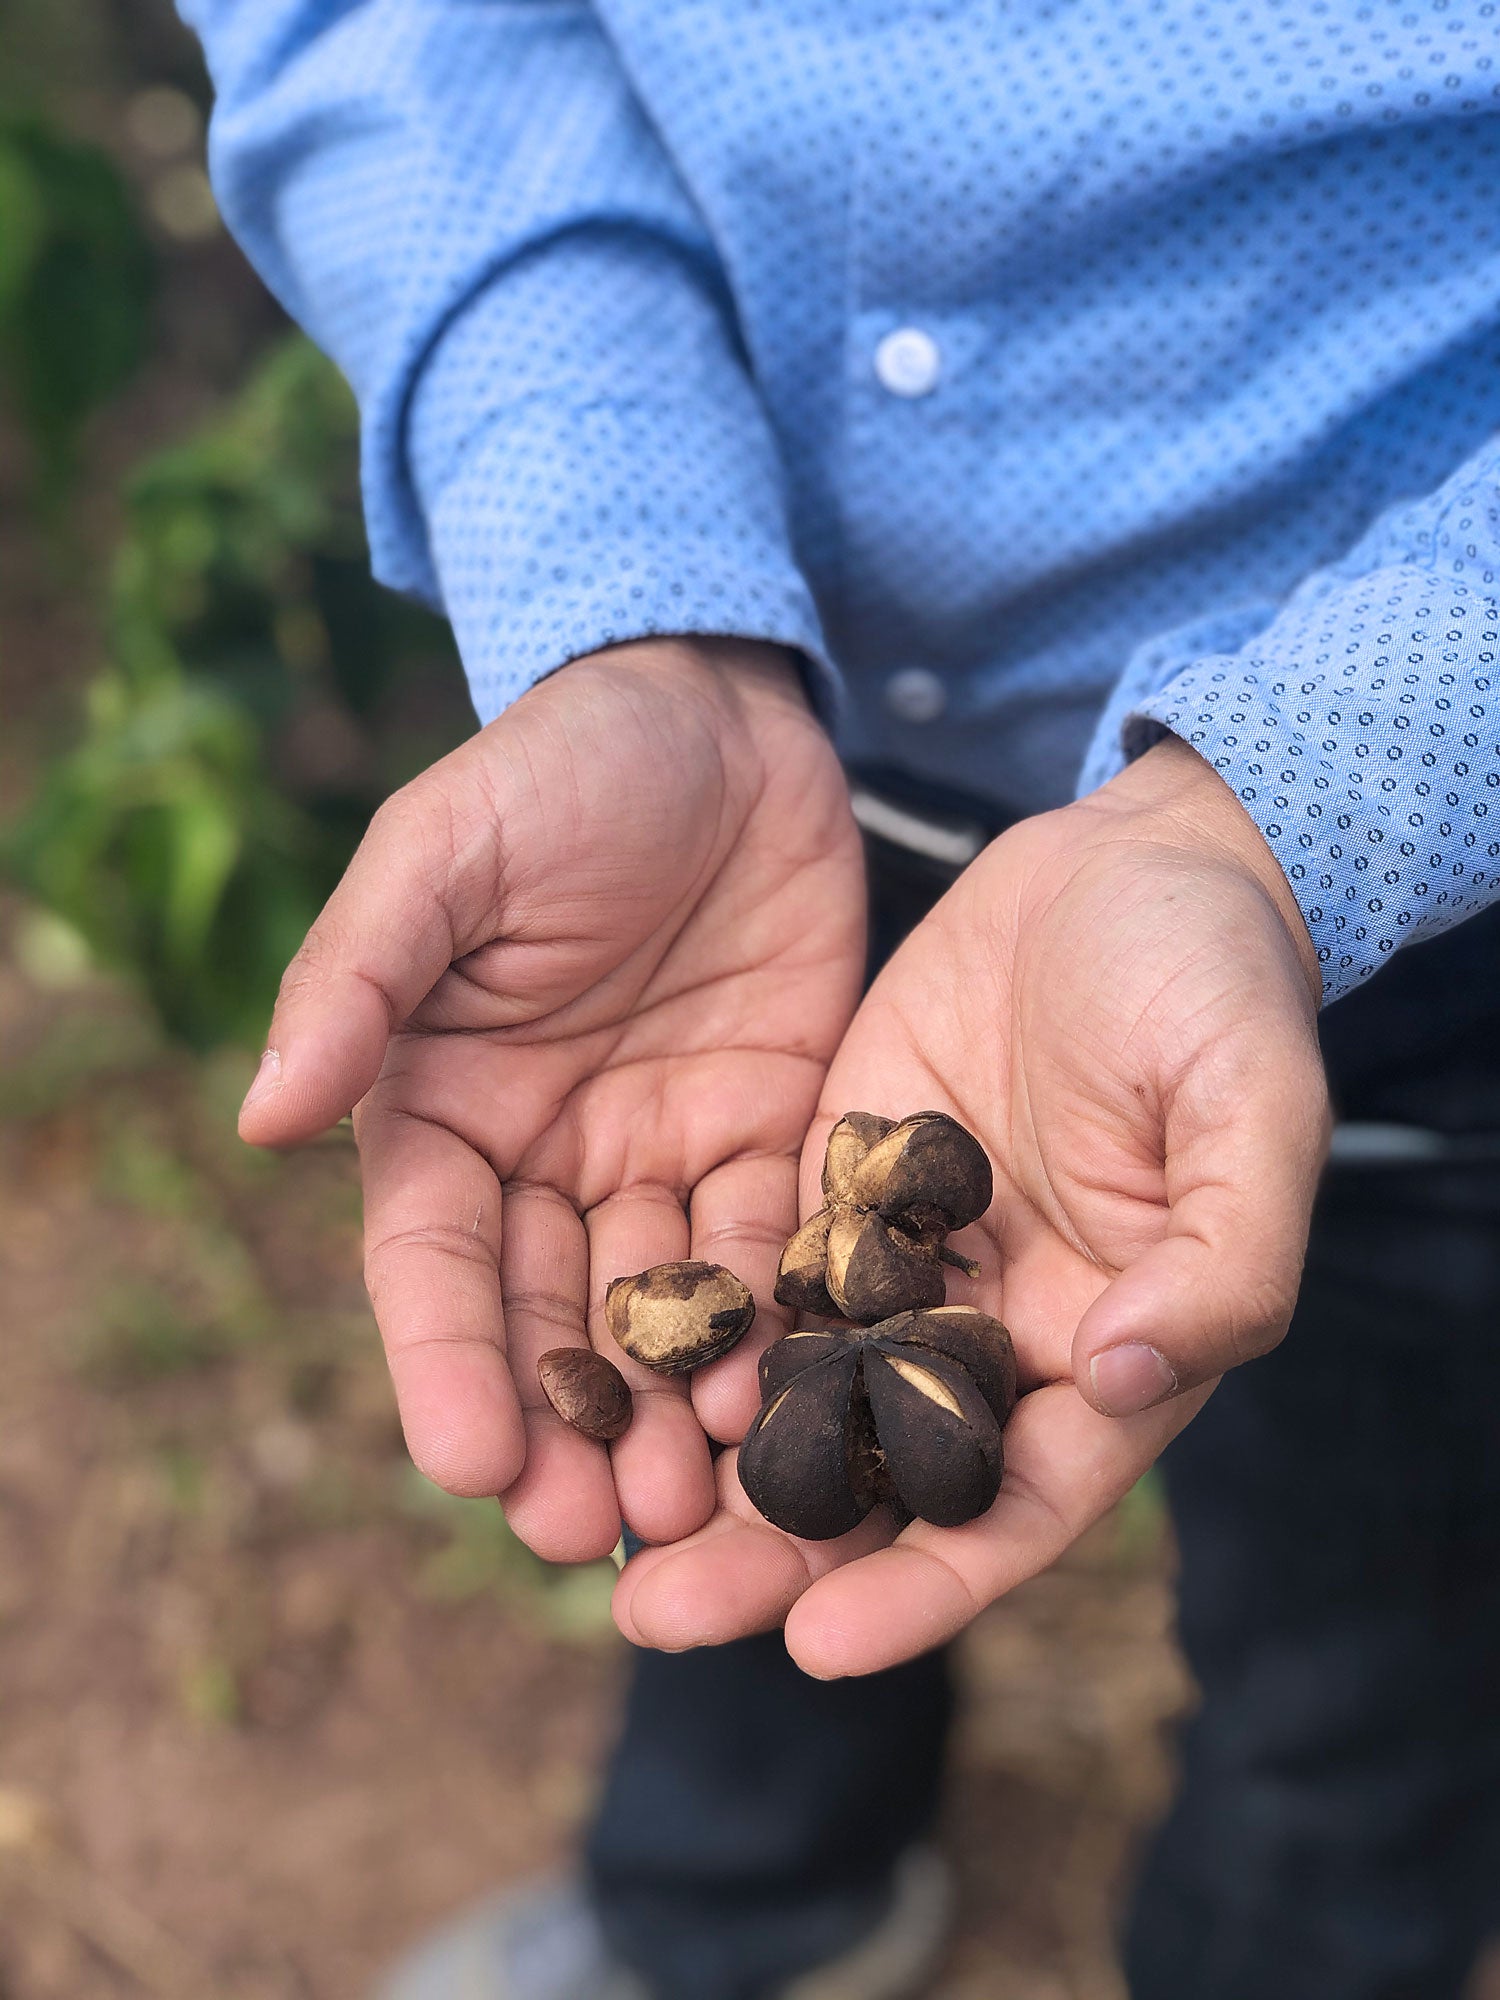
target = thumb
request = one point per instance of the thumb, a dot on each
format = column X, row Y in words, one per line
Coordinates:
column 1242, row 1160
column 387, row 934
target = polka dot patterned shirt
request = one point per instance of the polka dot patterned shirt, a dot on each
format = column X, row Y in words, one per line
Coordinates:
column 1052, row 374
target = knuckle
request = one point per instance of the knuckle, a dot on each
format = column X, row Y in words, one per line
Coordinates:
column 441, row 1239
column 1258, row 1316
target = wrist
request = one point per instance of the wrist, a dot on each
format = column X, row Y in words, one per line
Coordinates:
column 722, row 670
column 1171, row 796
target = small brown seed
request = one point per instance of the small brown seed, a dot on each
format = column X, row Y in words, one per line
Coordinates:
column 678, row 1316
column 586, row 1391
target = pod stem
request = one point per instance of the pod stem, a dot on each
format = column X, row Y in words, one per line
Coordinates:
column 965, row 1264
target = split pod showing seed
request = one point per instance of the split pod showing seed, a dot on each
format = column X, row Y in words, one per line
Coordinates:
column 677, row 1316
column 910, row 1410
column 892, row 1192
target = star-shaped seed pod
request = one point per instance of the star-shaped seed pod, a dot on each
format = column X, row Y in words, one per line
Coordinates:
column 908, row 1411
column 892, row 1192
column 677, row 1316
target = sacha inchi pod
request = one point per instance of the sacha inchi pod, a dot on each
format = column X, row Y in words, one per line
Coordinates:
column 892, row 1192
column 910, row 1411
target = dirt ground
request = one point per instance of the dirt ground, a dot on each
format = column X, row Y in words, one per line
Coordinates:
column 268, row 1704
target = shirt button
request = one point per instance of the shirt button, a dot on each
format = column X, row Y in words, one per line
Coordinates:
column 908, row 362
column 915, row 695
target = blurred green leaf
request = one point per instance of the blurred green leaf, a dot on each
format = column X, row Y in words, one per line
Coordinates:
column 262, row 696
column 481, row 1555
column 76, row 280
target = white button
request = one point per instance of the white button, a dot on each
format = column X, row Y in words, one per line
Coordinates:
column 908, row 362
column 915, row 695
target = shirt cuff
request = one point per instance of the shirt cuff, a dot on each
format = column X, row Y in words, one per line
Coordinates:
column 1382, row 837
column 564, row 530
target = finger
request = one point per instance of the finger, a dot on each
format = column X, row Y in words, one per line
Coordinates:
column 406, row 908
column 563, row 1504
column 736, row 1576
column 663, row 1473
column 742, row 1214
column 432, row 1244
column 1245, row 1142
column 1065, row 1467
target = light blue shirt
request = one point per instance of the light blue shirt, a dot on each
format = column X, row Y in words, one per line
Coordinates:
column 1052, row 373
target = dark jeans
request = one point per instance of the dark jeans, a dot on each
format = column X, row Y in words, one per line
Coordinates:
column 1337, row 1507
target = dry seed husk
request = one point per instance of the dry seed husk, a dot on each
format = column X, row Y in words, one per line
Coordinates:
column 794, row 1463
column 919, row 1401
column 928, row 1160
column 804, row 1266
column 979, row 1344
column 939, row 1436
column 787, row 1357
column 678, row 1316
column 875, row 1270
column 892, row 1193
column 848, row 1145
column 587, row 1391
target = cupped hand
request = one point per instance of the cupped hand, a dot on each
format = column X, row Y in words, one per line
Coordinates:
column 581, row 981
column 1119, row 1000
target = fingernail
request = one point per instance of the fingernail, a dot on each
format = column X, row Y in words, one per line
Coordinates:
column 1131, row 1378
column 267, row 1077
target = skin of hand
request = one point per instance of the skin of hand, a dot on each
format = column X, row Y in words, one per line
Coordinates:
column 580, row 984
column 1119, row 999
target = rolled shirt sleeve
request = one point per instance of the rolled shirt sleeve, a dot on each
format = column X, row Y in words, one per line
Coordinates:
column 561, row 444
column 1358, row 723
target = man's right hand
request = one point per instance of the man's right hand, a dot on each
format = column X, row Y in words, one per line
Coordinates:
column 581, row 981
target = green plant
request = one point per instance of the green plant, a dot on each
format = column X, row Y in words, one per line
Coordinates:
column 479, row 1554
column 261, row 697
column 75, row 289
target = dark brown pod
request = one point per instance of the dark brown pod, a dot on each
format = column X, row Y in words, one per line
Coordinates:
column 804, row 1262
column 848, row 1143
column 939, row 1437
column 875, row 1270
column 788, row 1356
column 586, row 1391
column 869, row 1478
column 928, row 1160
column 794, row 1463
column 678, row 1316
column 979, row 1344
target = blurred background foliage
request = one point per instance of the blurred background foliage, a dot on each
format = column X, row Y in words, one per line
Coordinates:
column 256, row 694
column 75, row 284
column 259, row 697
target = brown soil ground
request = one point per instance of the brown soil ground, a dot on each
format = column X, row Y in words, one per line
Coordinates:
column 269, row 1705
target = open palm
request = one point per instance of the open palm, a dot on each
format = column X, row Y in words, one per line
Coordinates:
column 583, row 980
column 1123, row 1015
